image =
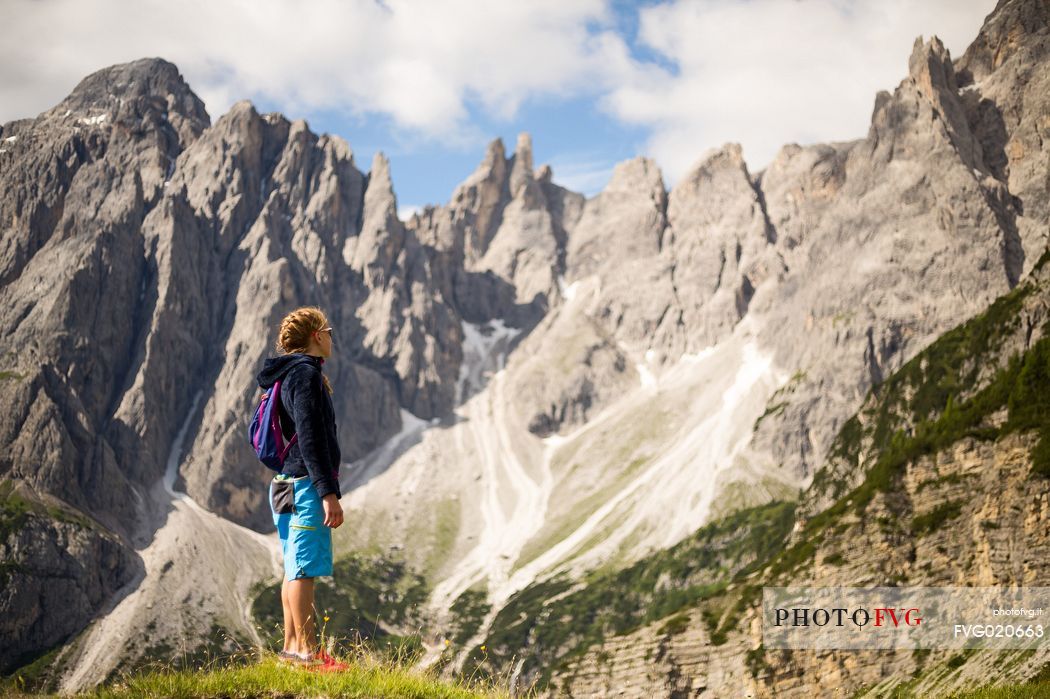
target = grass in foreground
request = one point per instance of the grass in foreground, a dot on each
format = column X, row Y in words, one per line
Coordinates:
column 1022, row 691
column 367, row 676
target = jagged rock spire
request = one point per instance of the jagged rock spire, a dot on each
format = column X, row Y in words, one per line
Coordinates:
column 521, row 173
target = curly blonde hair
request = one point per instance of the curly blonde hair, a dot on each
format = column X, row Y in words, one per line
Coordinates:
column 295, row 330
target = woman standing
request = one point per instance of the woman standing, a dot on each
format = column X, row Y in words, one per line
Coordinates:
column 304, row 497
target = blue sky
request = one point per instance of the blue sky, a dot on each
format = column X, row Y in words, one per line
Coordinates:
column 431, row 82
column 572, row 133
column 580, row 142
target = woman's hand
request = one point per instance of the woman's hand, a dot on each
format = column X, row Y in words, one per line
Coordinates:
column 333, row 511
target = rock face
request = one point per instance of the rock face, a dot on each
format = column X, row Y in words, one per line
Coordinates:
column 1003, row 83
column 147, row 258
column 59, row 567
column 76, row 185
column 970, row 512
column 618, row 240
column 909, row 232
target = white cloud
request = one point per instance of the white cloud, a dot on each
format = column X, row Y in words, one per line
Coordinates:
column 417, row 61
column 407, row 211
column 758, row 72
column 768, row 72
column 586, row 173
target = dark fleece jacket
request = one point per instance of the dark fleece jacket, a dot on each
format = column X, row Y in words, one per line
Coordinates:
column 305, row 399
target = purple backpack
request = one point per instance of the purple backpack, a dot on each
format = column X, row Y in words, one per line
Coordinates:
column 265, row 434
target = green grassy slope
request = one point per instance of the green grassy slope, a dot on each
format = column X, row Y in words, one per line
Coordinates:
column 552, row 622
column 265, row 676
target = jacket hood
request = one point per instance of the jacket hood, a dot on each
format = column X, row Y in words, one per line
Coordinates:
column 275, row 368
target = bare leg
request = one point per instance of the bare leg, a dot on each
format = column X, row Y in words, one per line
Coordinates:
column 301, row 596
column 291, row 641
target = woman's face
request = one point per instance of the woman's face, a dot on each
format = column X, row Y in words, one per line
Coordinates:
column 322, row 340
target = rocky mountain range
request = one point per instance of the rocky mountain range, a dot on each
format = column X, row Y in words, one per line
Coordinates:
column 533, row 388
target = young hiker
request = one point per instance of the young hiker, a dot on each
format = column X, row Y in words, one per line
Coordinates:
column 304, row 497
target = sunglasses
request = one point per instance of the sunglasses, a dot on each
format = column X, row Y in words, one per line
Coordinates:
column 326, row 330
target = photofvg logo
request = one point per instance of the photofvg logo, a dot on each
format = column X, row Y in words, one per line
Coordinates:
column 895, row 617
column 841, row 616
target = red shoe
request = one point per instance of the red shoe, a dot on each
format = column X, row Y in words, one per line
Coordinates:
column 328, row 663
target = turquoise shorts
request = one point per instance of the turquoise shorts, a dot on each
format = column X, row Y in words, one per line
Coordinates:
column 299, row 517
